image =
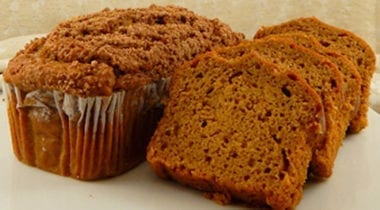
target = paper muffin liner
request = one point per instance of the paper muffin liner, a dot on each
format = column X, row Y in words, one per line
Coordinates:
column 85, row 138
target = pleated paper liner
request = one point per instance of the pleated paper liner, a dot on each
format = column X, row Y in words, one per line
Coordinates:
column 85, row 138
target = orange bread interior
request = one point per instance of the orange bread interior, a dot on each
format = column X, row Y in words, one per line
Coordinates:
column 238, row 128
column 322, row 75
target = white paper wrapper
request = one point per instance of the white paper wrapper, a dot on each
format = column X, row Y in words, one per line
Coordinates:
column 86, row 138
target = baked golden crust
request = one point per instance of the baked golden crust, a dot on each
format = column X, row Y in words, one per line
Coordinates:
column 29, row 73
column 118, row 49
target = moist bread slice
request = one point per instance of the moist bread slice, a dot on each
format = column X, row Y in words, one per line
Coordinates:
column 351, row 77
column 322, row 75
column 240, row 129
column 343, row 41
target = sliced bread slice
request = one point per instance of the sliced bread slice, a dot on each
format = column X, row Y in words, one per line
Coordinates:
column 347, row 43
column 322, row 75
column 240, row 129
column 351, row 77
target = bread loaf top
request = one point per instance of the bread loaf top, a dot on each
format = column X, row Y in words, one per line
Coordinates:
column 117, row 49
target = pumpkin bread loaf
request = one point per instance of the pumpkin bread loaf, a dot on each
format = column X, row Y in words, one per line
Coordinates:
column 342, row 41
column 322, row 75
column 240, row 129
column 85, row 99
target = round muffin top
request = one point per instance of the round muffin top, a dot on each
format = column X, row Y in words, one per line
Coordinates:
column 112, row 50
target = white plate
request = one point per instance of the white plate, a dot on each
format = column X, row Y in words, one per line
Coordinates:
column 354, row 185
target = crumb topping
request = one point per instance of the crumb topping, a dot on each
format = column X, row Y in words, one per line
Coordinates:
column 117, row 49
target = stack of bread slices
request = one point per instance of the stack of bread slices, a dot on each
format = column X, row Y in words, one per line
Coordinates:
column 250, row 123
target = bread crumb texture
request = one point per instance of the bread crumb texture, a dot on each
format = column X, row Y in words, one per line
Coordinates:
column 239, row 129
column 116, row 49
column 323, row 76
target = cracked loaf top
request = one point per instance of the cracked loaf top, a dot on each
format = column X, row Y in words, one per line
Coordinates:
column 113, row 50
